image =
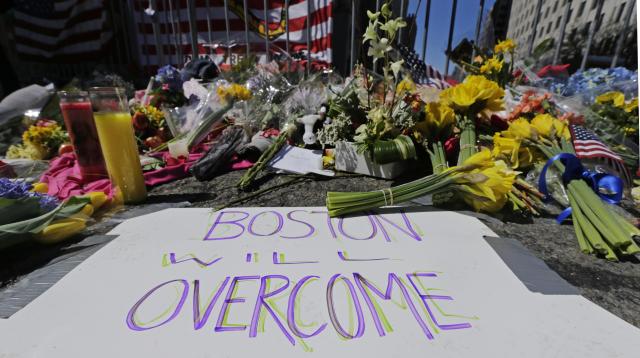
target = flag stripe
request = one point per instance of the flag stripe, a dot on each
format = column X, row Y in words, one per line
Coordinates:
column 235, row 22
column 317, row 45
column 202, row 4
column 320, row 21
column 46, row 30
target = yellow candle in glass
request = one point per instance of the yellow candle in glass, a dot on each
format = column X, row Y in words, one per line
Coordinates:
column 117, row 140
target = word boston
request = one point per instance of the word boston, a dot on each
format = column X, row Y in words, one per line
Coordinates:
column 291, row 282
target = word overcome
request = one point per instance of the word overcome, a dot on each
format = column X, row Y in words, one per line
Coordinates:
column 360, row 291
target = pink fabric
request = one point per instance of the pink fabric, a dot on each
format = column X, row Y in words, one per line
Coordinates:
column 64, row 180
column 174, row 169
column 240, row 164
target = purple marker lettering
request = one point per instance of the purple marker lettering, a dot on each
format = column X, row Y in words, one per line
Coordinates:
column 235, row 222
column 425, row 297
column 260, row 301
column 410, row 231
column 311, row 228
column 332, row 311
column 227, row 301
column 329, row 224
column 197, row 321
column 130, row 317
column 361, row 282
column 277, row 229
column 291, row 320
column 172, row 258
column 374, row 229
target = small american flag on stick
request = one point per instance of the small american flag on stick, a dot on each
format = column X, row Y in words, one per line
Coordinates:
column 421, row 72
column 587, row 145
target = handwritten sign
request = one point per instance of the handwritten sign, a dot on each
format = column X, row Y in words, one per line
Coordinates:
column 291, row 282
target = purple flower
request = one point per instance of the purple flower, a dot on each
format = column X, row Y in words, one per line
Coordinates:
column 17, row 189
column 10, row 189
column 169, row 75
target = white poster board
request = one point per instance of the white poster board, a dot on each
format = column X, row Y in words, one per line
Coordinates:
column 289, row 282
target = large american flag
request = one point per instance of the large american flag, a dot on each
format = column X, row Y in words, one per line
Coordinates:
column 60, row 30
column 587, row 145
column 171, row 19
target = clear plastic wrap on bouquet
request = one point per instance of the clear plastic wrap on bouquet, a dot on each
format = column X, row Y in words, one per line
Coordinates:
column 192, row 123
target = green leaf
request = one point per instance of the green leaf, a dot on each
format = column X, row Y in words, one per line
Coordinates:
column 16, row 232
column 207, row 124
column 370, row 33
column 396, row 67
column 386, row 10
column 13, row 210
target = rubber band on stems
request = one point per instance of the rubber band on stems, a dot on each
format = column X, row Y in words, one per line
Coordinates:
column 390, row 202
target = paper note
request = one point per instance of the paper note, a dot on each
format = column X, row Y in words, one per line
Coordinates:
column 299, row 160
column 291, row 282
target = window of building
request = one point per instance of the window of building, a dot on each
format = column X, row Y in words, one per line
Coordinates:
column 594, row 4
column 600, row 21
column 555, row 6
column 581, row 8
column 613, row 14
column 558, row 21
column 549, row 27
column 546, row 13
column 620, row 12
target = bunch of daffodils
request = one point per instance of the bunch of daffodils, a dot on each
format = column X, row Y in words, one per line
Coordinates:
column 599, row 229
column 482, row 182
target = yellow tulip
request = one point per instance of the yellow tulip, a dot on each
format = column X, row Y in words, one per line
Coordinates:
column 615, row 97
column 59, row 230
column 97, row 198
column 544, row 125
column 41, row 188
column 86, row 211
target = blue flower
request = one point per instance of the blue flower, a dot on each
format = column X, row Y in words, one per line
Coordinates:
column 11, row 189
column 17, row 189
column 592, row 82
column 171, row 76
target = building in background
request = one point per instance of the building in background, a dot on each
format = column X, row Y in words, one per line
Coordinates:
column 495, row 24
column 582, row 14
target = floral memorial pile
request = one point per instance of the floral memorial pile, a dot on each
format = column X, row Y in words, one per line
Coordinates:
column 495, row 142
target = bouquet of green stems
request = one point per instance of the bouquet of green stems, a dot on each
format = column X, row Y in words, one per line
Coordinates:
column 481, row 181
column 599, row 229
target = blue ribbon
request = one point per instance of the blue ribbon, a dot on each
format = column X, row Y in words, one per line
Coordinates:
column 607, row 186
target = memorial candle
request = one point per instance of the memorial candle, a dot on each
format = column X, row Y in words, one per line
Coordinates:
column 78, row 119
column 117, row 140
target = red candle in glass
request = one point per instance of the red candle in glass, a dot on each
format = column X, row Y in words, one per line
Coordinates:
column 78, row 118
